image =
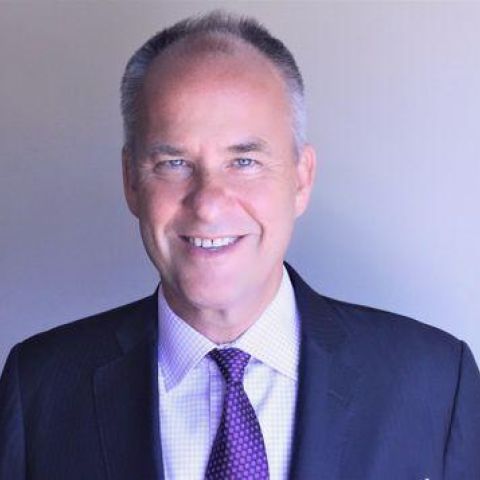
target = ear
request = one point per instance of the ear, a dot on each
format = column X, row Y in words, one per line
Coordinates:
column 306, row 167
column 130, row 181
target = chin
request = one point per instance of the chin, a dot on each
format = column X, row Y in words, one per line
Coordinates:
column 211, row 295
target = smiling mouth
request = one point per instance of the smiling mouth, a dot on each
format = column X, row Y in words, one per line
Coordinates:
column 211, row 243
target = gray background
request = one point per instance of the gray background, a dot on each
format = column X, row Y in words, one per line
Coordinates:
column 393, row 93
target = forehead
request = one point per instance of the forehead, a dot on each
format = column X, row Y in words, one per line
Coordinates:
column 203, row 97
column 212, row 64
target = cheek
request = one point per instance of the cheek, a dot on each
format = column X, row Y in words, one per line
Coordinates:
column 155, row 217
column 157, row 204
column 273, row 207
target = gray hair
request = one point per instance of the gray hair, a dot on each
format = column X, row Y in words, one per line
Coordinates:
column 245, row 29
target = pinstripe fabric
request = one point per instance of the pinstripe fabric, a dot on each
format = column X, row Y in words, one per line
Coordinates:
column 191, row 388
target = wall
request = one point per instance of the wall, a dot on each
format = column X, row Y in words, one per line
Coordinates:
column 393, row 93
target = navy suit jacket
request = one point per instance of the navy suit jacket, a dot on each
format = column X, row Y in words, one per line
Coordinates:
column 379, row 397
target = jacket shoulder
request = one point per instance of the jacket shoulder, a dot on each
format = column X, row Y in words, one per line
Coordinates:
column 91, row 326
column 86, row 342
column 398, row 338
column 378, row 334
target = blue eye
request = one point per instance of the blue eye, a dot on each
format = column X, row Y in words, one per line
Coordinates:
column 174, row 164
column 173, row 169
column 178, row 162
column 245, row 162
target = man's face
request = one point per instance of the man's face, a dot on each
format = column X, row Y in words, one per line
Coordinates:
column 216, row 184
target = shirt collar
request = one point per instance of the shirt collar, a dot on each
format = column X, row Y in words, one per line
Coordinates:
column 181, row 347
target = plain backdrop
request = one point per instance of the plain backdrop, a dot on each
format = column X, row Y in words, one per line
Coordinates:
column 393, row 92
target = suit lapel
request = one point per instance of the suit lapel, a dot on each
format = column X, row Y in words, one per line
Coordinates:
column 328, row 376
column 126, row 396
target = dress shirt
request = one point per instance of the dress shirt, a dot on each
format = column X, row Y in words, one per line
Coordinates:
column 191, row 387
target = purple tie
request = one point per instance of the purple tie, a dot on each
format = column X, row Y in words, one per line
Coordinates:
column 238, row 451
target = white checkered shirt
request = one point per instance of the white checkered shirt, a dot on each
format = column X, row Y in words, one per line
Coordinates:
column 191, row 387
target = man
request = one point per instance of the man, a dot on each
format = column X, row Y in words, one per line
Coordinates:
column 234, row 368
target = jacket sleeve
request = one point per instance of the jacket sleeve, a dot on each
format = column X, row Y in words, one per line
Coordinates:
column 12, row 437
column 462, row 451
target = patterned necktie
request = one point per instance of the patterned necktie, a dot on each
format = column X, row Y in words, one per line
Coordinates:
column 238, row 452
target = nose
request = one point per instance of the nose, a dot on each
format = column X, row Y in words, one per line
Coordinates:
column 209, row 198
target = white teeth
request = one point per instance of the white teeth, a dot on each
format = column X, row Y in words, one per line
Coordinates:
column 212, row 242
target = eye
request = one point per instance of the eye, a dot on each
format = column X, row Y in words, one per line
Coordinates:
column 176, row 163
column 174, row 168
column 245, row 162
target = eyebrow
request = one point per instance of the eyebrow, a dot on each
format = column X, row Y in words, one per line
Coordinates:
column 165, row 149
column 254, row 145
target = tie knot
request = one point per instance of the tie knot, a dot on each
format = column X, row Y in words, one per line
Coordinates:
column 231, row 362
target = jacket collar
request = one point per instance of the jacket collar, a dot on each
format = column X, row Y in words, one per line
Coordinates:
column 126, row 398
column 329, row 372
